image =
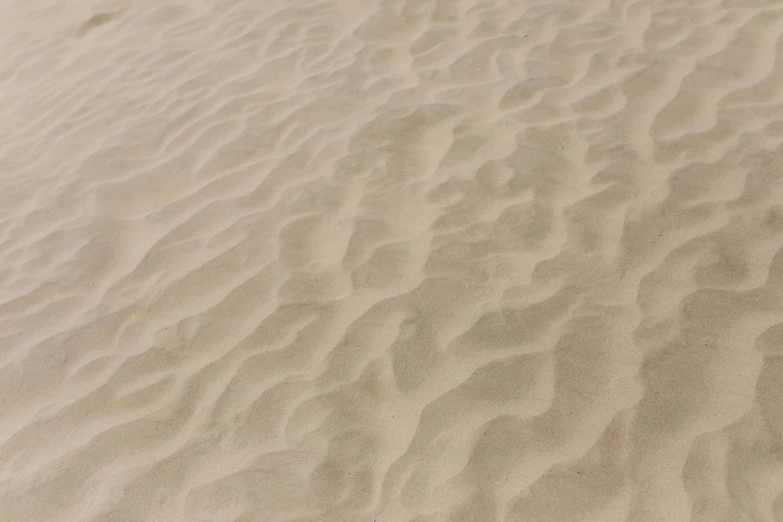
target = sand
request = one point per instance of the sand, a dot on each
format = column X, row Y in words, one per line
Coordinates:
column 340, row 260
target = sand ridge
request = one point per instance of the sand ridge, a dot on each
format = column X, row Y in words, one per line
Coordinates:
column 450, row 260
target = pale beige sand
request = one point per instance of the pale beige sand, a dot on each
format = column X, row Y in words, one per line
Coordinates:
column 353, row 260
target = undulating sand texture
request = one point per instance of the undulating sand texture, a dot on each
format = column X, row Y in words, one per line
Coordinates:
column 391, row 260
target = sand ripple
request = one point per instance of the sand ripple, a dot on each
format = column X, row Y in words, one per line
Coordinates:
column 397, row 260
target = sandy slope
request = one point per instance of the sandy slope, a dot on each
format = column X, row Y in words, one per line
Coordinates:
column 464, row 260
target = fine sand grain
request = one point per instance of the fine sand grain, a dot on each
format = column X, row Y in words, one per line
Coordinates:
column 391, row 260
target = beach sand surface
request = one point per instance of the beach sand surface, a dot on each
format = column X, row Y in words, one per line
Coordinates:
column 391, row 260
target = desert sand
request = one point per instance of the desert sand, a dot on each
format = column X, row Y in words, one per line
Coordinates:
column 391, row 260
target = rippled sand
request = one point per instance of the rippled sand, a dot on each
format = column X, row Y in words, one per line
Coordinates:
column 454, row 260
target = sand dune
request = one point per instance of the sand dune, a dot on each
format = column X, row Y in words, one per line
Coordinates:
column 392, row 260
